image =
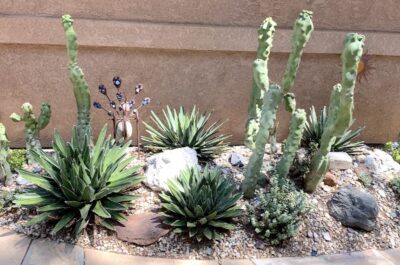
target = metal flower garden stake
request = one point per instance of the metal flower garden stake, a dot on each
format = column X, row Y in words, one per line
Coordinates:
column 126, row 111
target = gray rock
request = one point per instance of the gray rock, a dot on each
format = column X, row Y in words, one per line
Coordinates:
column 236, row 160
column 167, row 166
column 339, row 160
column 354, row 208
column 23, row 182
column 327, row 236
column 379, row 161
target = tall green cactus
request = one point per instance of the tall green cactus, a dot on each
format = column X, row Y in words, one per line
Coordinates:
column 5, row 171
column 297, row 126
column 340, row 113
column 33, row 125
column 271, row 101
column 266, row 124
column 81, row 88
column 302, row 29
column 260, row 80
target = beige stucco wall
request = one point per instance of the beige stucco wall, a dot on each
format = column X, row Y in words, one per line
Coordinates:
column 190, row 52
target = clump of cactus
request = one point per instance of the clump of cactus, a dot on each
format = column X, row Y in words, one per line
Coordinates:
column 278, row 214
column 5, row 171
column 81, row 88
column 393, row 148
column 340, row 113
column 122, row 111
column 17, row 159
column 272, row 98
column 33, row 125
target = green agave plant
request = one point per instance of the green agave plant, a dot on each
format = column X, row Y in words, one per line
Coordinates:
column 200, row 204
column 181, row 129
column 82, row 184
column 314, row 129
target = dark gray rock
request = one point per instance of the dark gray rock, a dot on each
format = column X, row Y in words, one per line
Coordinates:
column 236, row 160
column 354, row 208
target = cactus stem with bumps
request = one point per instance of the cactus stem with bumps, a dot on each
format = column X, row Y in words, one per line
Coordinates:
column 297, row 126
column 272, row 99
column 260, row 80
column 81, row 88
column 302, row 29
column 340, row 113
column 33, row 125
column 5, row 171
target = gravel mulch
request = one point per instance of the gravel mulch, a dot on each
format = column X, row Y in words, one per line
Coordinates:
column 320, row 234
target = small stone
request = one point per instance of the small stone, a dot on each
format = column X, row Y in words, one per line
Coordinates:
column 260, row 244
column 339, row 160
column 309, row 234
column 330, row 179
column 327, row 236
column 37, row 169
column 209, row 251
column 236, row 160
column 314, row 251
column 23, row 182
column 382, row 193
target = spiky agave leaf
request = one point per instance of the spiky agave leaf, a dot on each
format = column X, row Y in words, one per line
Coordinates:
column 183, row 129
column 81, row 183
column 315, row 128
column 200, row 204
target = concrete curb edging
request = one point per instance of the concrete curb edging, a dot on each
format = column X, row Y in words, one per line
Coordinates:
column 17, row 249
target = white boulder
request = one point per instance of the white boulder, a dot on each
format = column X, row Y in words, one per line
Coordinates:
column 339, row 160
column 168, row 165
column 379, row 161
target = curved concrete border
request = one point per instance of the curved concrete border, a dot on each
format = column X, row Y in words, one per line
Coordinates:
column 20, row 250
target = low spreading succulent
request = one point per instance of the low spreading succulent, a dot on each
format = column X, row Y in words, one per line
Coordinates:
column 185, row 129
column 395, row 185
column 124, row 110
column 277, row 215
column 200, row 204
column 17, row 158
column 314, row 129
column 83, row 185
column 393, row 149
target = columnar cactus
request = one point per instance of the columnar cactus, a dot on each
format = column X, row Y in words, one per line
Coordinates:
column 5, row 171
column 297, row 126
column 260, row 80
column 340, row 109
column 266, row 125
column 33, row 125
column 81, row 88
column 271, row 101
column 302, row 29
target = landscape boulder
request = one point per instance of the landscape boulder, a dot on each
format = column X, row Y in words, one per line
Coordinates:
column 168, row 165
column 339, row 160
column 354, row 208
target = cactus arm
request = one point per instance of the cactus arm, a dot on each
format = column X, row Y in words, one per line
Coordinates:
column 44, row 117
column 297, row 125
column 15, row 117
column 260, row 80
column 81, row 88
column 272, row 99
column 302, row 30
column 33, row 125
column 5, row 171
column 340, row 109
